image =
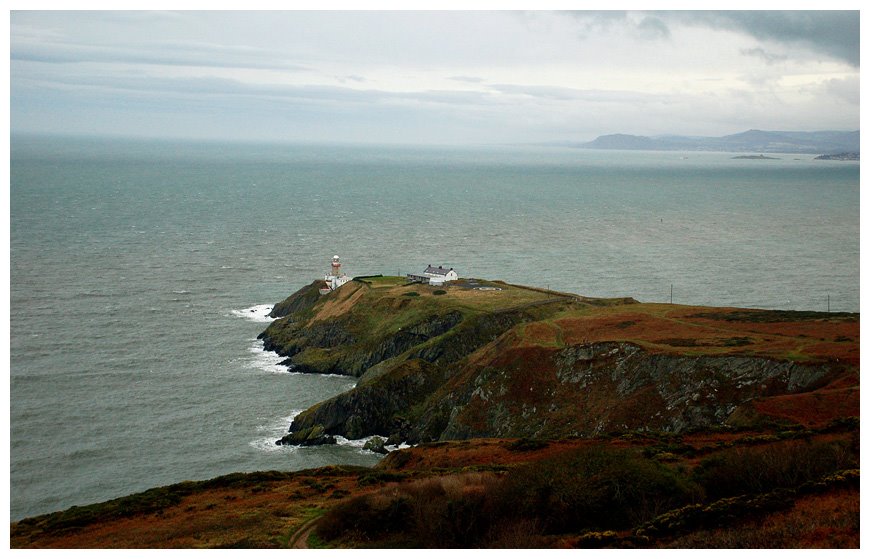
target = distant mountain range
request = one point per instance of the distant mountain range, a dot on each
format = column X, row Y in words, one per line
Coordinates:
column 751, row 141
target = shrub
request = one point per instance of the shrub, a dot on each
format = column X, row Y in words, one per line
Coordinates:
column 411, row 294
column 368, row 517
column 526, row 445
column 518, row 533
column 758, row 469
column 380, row 476
column 449, row 511
column 439, row 292
column 594, row 488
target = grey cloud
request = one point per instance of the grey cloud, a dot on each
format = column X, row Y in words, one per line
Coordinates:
column 650, row 27
column 848, row 89
column 571, row 94
column 161, row 53
column 653, row 28
column 763, row 54
column 466, row 79
column 540, row 91
column 594, row 19
column 835, row 33
column 222, row 87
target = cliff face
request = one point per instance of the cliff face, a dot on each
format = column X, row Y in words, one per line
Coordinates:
column 520, row 362
column 612, row 386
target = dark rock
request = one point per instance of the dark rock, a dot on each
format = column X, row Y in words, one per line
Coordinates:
column 311, row 436
column 376, row 444
column 394, row 440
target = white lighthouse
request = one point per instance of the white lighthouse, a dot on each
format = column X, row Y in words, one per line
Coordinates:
column 335, row 278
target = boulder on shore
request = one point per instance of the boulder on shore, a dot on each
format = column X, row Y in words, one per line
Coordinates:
column 311, row 436
column 376, row 444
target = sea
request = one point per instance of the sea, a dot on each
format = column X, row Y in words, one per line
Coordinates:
column 142, row 271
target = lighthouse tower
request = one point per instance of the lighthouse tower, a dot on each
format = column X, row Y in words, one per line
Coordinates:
column 335, row 278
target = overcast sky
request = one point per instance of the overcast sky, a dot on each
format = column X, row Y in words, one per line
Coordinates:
column 432, row 77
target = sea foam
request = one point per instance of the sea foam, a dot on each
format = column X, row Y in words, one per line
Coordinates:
column 267, row 361
column 257, row 313
column 273, row 430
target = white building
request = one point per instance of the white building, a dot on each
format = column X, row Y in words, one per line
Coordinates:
column 335, row 279
column 435, row 276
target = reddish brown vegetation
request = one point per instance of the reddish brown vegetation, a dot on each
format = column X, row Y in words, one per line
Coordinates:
column 724, row 332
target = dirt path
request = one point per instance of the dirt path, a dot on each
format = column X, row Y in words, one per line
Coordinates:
column 299, row 540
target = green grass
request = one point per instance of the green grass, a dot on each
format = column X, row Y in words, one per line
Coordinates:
column 308, row 513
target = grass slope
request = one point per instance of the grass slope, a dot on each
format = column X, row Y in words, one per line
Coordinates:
column 771, row 488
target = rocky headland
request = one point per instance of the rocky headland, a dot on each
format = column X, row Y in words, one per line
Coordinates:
column 512, row 361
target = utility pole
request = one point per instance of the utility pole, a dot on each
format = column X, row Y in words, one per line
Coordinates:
column 829, row 303
column 672, row 294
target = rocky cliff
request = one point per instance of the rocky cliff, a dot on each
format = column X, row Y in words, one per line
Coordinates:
column 510, row 361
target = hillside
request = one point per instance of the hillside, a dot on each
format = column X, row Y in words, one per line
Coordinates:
column 489, row 359
column 538, row 419
column 787, row 488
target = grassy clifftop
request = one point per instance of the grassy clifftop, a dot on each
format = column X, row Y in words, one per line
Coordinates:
column 481, row 358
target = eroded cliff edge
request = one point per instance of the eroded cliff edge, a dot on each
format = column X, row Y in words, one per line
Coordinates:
column 489, row 359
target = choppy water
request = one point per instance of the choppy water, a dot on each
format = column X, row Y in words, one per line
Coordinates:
column 141, row 273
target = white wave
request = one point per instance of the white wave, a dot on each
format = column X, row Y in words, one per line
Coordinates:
column 267, row 444
column 257, row 313
column 356, row 443
column 273, row 430
column 267, row 361
column 360, row 443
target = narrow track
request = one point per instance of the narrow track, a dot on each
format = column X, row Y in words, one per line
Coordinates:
column 299, row 539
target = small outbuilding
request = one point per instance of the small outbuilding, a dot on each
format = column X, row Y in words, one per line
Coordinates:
column 437, row 276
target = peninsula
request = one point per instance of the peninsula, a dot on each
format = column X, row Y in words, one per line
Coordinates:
column 535, row 418
column 479, row 358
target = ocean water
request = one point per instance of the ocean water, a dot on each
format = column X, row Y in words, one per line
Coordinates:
column 141, row 274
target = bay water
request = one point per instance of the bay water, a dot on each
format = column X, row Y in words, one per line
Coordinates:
column 142, row 272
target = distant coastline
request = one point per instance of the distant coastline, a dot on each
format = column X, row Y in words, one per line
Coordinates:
column 750, row 141
column 849, row 156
